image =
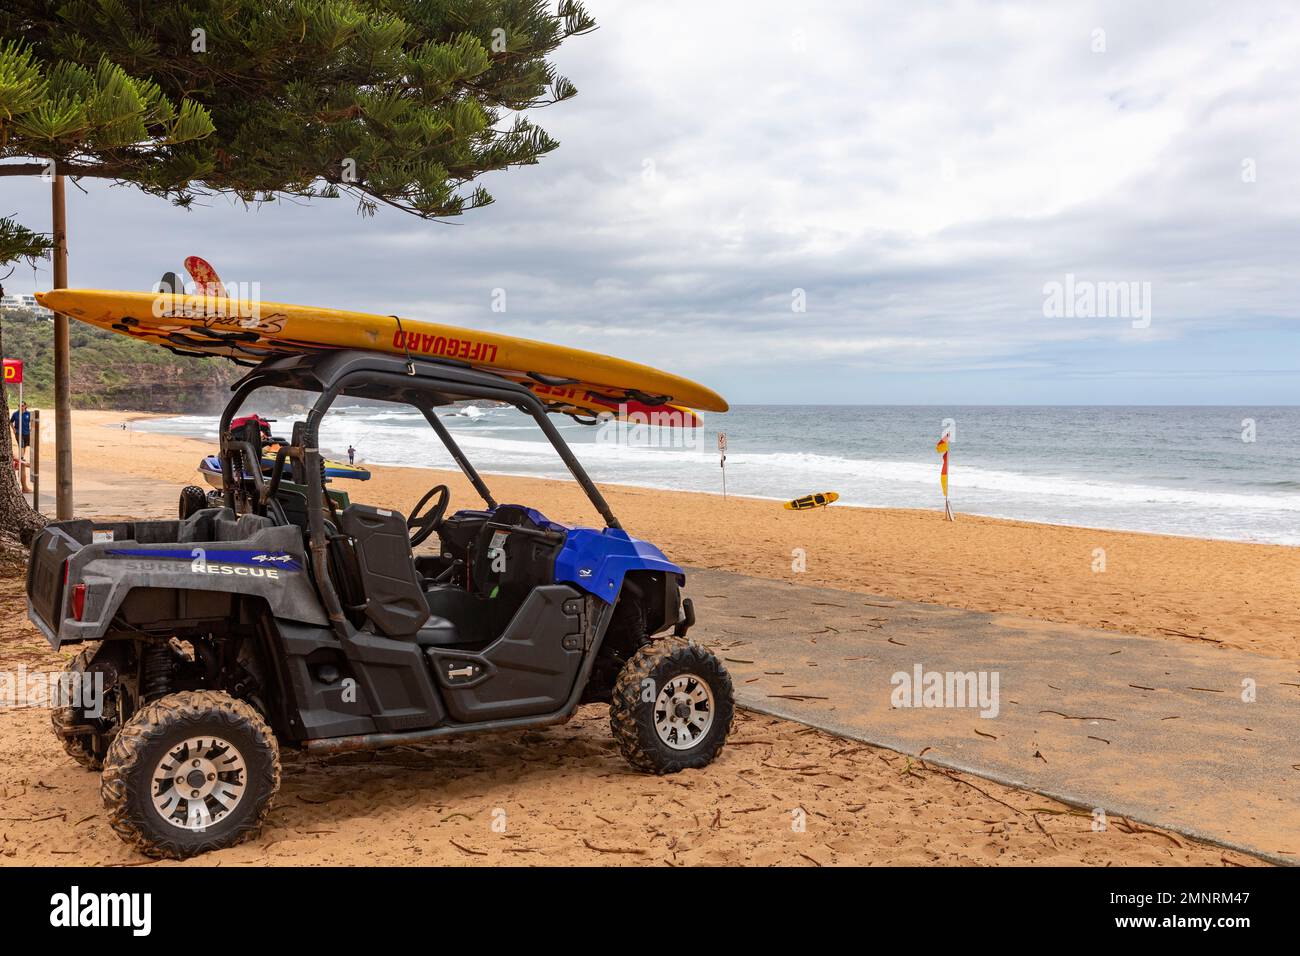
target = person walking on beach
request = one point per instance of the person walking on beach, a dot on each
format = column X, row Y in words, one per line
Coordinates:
column 352, row 455
column 20, row 423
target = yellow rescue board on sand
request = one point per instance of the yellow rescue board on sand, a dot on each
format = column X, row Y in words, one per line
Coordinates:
column 566, row 379
column 808, row 502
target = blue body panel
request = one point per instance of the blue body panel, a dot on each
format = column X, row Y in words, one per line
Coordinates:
column 596, row 561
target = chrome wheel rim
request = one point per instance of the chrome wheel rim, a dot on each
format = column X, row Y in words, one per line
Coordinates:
column 198, row 782
column 683, row 711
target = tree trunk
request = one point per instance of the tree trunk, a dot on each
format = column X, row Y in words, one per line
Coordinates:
column 16, row 516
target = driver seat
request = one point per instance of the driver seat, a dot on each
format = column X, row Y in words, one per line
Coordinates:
column 379, row 580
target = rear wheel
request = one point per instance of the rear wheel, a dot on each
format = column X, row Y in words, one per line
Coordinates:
column 190, row 772
column 672, row 707
column 88, row 722
column 193, row 498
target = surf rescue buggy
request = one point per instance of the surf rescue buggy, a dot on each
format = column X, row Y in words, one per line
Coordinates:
column 286, row 615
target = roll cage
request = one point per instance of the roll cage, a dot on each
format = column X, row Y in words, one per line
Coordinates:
column 421, row 383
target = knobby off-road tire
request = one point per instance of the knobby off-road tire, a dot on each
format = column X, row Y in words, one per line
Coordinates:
column 193, row 498
column 653, row 736
column 88, row 750
column 181, row 734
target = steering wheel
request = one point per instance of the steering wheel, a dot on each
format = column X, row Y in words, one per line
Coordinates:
column 420, row 526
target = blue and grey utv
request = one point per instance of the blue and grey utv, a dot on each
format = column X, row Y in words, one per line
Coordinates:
column 279, row 613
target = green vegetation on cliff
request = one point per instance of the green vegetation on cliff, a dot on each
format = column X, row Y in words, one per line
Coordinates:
column 112, row 371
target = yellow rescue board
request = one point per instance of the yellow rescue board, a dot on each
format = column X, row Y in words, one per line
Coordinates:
column 569, row 380
column 808, row 502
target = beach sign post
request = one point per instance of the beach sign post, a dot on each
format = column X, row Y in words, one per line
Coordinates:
column 13, row 372
column 722, row 461
column 941, row 447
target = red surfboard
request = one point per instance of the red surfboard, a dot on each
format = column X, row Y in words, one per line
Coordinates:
column 205, row 277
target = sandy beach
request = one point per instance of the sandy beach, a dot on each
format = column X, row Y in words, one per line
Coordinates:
column 567, row 797
column 565, row 792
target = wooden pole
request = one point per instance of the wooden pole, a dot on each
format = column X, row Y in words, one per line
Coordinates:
column 62, row 364
column 36, row 461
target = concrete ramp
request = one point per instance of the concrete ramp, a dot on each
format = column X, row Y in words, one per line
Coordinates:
column 1189, row 736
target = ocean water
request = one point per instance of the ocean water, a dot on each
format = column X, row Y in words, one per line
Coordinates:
column 1220, row 472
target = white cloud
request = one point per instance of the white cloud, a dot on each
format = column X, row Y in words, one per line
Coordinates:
column 920, row 170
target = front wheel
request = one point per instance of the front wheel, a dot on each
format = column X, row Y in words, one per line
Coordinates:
column 672, row 707
column 190, row 772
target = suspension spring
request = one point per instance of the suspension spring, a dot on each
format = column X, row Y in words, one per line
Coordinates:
column 156, row 671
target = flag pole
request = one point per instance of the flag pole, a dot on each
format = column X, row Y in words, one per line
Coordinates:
column 947, row 502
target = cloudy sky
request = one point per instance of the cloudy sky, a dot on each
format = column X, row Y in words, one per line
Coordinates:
column 921, row 172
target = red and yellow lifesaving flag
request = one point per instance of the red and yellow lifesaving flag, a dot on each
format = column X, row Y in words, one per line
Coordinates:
column 942, row 448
